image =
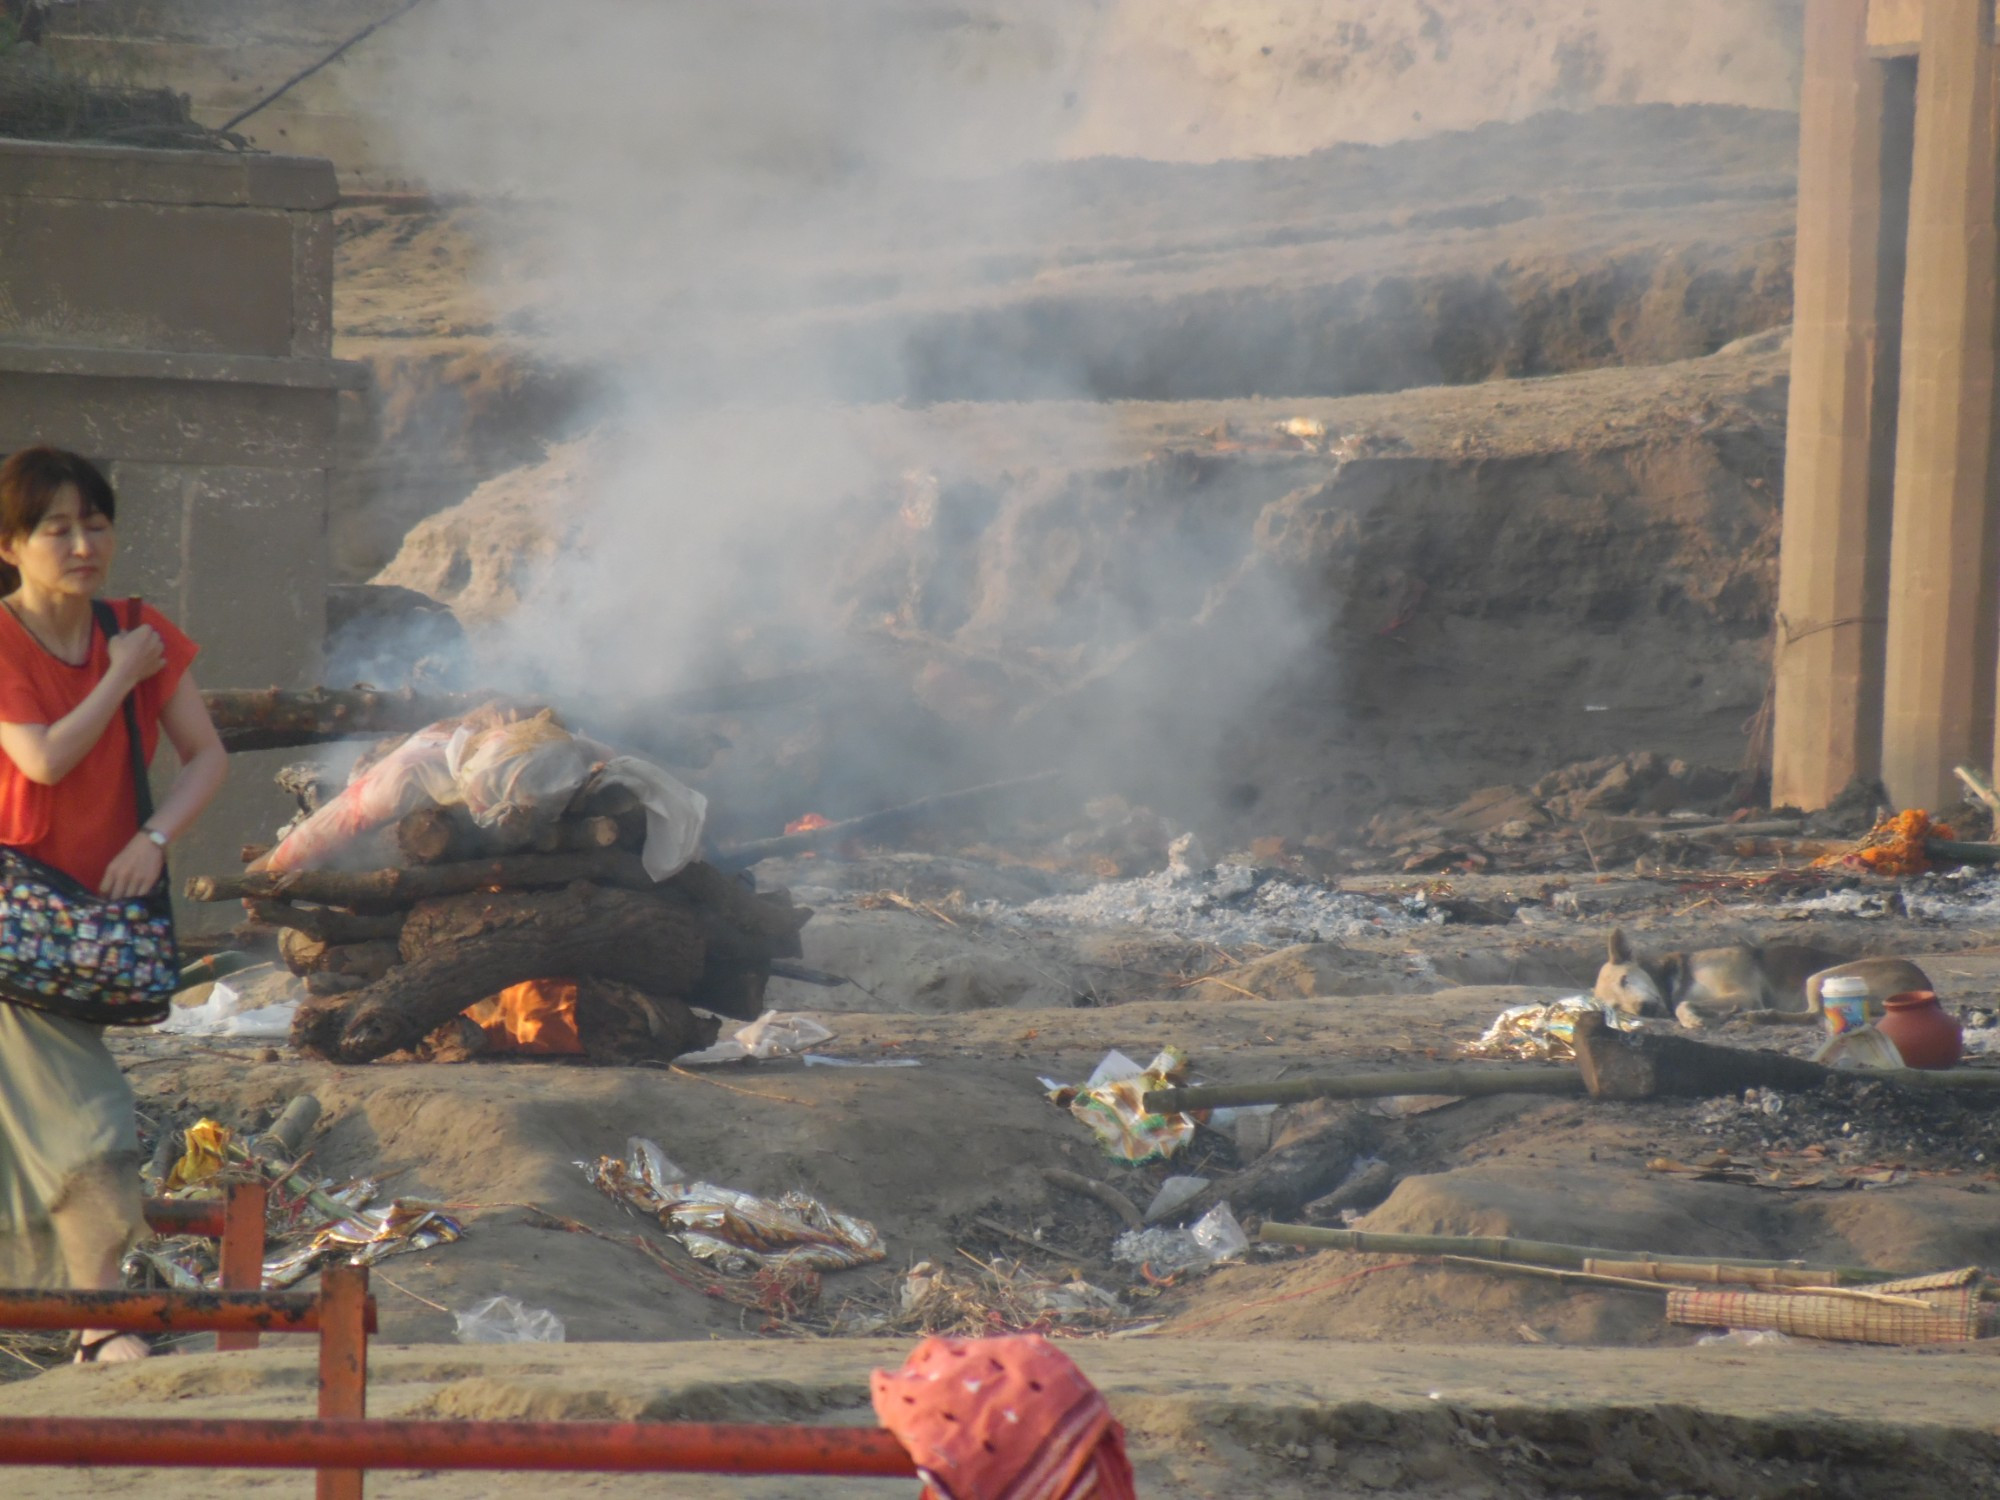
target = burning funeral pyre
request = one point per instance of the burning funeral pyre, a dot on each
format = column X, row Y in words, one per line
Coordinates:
column 494, row 883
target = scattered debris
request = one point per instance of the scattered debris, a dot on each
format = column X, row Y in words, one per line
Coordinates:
column 740, row 1232
column 773, row 1034
column 1543, row 1033
column 992, row 1297
column 1216, row 1236
column 1112, row 1104
column 504, row 1320
column 1229, row 905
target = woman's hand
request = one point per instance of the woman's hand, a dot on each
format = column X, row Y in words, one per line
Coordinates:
column 136, row 870
column 137, row 654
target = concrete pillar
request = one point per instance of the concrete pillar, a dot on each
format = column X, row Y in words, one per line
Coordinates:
column 1855, row 117
column 1938, row 699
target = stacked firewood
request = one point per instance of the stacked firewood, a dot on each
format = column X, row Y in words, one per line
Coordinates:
column 455, row 914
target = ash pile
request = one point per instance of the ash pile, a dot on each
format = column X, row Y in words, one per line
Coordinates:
column 495, row 882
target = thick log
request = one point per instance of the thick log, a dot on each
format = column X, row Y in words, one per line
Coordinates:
column 324, row 924
column 619, row 1023
column 1647, row 1065
column 462, row 949
column 272, row 719
column 365, row 961
column 443, row 835
column 1465, row 1081
column 390, row 888
column 873, row 825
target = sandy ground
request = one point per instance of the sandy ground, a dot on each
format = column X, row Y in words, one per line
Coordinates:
column 1222, row 1418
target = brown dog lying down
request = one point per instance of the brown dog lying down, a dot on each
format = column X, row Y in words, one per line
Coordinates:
column 1775, row 983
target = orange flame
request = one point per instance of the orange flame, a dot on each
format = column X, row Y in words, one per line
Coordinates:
column 536, row 1017
column 808, row 823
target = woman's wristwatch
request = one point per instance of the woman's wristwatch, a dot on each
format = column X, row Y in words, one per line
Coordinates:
column 156, row 836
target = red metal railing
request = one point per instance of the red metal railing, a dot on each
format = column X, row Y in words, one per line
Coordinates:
column 342, row 1444
column 581, row 1447
column 341, row 1313
column 236, row 1219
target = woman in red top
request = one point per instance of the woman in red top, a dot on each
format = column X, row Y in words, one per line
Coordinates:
column 69, row 1145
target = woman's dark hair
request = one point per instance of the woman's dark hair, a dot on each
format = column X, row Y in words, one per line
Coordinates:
column 30, row 480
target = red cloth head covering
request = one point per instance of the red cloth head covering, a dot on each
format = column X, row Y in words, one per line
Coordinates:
column 1003, row 1419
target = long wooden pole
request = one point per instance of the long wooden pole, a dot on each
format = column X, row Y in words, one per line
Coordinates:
column 1538, row 1252
column 1465, row 1082
column 742, row 856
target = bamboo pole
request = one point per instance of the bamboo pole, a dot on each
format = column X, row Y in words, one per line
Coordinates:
column 1537, row 1252
column 1465, row 1082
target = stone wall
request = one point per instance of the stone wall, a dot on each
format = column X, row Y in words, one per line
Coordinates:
column 170, row 314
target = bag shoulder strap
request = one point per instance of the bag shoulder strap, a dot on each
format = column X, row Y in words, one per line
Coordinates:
column 142, row 786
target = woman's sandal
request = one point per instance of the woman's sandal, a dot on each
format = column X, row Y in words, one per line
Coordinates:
column 104, row 1350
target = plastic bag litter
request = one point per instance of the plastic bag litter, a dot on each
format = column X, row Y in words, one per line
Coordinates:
column 1748, row 1338
column 1174, row 1194
column 776, row 1033
column 366, row 1237
column 821, row 1060
column 738, row 1231
column 1544, row 1033
column 226, row 1013
column 1862, row 1048
column 1213, row 1237
column 502, row 1320
column 1110, row 1104
column 204, row 1152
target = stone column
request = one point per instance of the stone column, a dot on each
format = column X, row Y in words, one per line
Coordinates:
column 1833, row 570
column 1943, row 610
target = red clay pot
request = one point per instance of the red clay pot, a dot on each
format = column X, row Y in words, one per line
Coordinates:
column 1927, row 1034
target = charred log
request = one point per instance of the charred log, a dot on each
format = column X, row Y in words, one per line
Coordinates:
column 326, row 925
column 365, row 961
column 460, row 950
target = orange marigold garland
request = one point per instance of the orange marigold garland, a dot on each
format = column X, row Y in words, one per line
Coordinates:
column 1895, row 846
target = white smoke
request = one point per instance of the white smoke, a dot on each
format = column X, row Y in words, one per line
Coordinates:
column 715, row 203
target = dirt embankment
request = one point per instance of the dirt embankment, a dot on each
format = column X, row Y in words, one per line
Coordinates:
column 1462, row 585
column 1621, row 236
column 1193, row 80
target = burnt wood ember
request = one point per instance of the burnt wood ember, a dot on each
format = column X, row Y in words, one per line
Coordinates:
column 616, row 1023
column 620, row 1023
column 462, row 949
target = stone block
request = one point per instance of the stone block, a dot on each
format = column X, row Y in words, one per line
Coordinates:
column 163, row 420
column 256, row 561
column 121, row 174
column 147, row 276
column 312, row 286
column 152, row 525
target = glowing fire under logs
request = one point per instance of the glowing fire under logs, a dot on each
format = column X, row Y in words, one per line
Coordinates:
column 538, row 1016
